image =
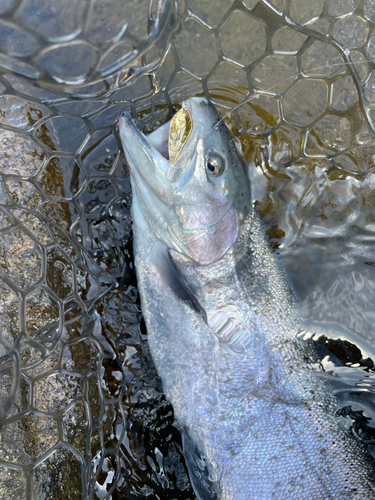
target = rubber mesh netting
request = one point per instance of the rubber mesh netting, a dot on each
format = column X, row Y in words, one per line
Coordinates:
column 82, row 412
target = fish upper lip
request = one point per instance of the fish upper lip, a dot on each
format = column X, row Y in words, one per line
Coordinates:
column 126, row 119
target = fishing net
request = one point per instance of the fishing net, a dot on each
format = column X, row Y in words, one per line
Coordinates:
column 82, row 412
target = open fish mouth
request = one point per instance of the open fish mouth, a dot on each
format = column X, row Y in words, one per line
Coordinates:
column 180, row 129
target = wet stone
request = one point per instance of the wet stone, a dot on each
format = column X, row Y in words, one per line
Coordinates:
column 108, row 20
column 75, row 427
column 332, row 133
column 321, row 59
column 370, row 88
column 132, row 93
column 297, row 108
column 5, row 220
column 26, row 156
column 351, row 31
column 285, row 143
column 63, row 133
column 233, row 76
column 250, row 4
column 344, row 93
column 19, row 113
column 15, row 42
column 116, row 57
column 69, row 63
column 259, row 114
column 13, row 483
column 80, row 108
column 28, row 438
column 278, row 4
column 8, row 378
column 9, row 313
column 24, row 86
column 6, row 5
column 205, row 11
column 95, row 400
column 5, row 198
column 46, row 363
column 21, row 398
column 304, row 11
column 72, row 311
column 59, row 273
column 101, row 152
column 352, row 162
column 182, row 85
column 41, row 311
column 166, row 69
column 86, row 91
column 54, row 393
column 24, row 194
column 20, row 259
column 61, row 178
column 12, row 443
column 74, row 330
column 59, row 476
column 62, row 213
column 31, row 355
column 35, row 225
column 287, row 40
column 340, row 8
column 198, row 40
column 52, row 19
column 109, row 115
column 275, row 73
column 369, row 10
column 321, row 26
column 251, row 43
column 371, row 47
column 138, row 14
column 81, row 357
column 371, row 116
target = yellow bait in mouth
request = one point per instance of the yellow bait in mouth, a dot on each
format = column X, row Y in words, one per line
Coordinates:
column 179, row 132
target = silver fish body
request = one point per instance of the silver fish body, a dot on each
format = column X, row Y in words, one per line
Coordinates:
column 222, row 319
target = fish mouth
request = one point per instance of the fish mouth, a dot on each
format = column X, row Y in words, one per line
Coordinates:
column 154, row 157
column 180, row 129
column 170, row 139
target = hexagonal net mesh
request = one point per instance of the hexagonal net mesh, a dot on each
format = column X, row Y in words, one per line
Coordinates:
column 82, row 411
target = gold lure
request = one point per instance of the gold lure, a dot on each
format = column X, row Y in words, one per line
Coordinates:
column 179, row 132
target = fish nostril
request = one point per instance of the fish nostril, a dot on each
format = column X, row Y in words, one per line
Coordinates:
column 126, row 118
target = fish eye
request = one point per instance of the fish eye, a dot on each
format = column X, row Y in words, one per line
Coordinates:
column 214, row 164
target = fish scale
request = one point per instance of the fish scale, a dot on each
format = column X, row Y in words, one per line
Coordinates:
column 257, row 421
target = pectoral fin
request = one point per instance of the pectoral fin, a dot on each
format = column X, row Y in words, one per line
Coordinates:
column 171, row 276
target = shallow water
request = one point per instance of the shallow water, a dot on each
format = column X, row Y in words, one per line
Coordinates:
column 89, row 419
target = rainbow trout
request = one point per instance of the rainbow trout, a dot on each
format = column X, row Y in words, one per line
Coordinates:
column 223, row 321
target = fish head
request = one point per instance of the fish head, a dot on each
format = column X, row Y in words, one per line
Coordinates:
column 190, row 183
